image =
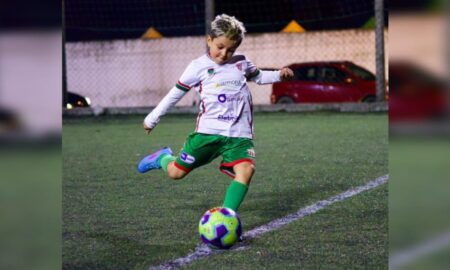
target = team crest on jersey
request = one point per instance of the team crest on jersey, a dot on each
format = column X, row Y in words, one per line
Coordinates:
column 239, row 66
column 210, row 71
column 251, row 152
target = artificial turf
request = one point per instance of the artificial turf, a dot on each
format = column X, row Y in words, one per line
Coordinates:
column 116, row 218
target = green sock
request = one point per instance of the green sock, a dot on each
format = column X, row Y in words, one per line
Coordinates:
column 164, row 160
column 235, row 195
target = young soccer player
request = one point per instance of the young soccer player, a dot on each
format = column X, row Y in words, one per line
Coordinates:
column 225, row 123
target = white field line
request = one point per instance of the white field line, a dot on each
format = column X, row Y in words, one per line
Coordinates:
column 202, row 250
column 410, row 255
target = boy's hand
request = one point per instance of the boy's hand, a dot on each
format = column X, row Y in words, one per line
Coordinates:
column 147, row 129
column 286, row 74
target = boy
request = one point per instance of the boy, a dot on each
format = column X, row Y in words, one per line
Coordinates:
column 225, row 123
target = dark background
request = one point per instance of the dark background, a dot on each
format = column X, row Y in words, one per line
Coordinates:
column 114, row 19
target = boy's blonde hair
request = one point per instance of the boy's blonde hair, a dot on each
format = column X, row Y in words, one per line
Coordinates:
column 228, row 26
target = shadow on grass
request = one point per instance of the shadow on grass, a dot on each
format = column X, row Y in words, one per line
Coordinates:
column 110, row 251
column 270, row 205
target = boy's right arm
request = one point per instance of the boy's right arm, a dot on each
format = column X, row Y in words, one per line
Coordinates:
column 188, row 79
column 166, row 103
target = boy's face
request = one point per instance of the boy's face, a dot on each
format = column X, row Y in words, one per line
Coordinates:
column 221, row 49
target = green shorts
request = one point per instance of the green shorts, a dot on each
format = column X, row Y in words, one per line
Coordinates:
column 200, row 149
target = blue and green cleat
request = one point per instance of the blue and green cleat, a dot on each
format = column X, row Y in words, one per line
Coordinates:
column 151, row 161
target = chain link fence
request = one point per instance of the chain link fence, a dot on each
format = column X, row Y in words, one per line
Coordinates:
column 133, row 72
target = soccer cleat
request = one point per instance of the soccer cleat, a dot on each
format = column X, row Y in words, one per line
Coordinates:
column 151, row 162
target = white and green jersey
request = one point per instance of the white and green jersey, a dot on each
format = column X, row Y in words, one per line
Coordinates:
column 225, row 100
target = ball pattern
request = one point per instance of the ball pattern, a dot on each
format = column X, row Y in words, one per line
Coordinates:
column 220, row 228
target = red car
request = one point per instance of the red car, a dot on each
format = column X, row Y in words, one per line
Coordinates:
column 416, row 95
column 319, row 82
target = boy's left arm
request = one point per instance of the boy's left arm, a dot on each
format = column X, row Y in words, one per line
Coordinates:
column 267, row 77
column 286, row 74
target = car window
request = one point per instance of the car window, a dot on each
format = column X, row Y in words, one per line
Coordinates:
column 332, row 75
column 361, row 73
column 305, row 74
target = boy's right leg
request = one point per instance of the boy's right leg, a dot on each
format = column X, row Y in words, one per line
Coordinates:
column 199, row 149
column 162, row 159
column 152, row 161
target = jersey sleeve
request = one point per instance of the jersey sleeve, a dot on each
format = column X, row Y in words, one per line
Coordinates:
column 251, row 71
column 189, row 78
column 172, row 98
column 260, row 76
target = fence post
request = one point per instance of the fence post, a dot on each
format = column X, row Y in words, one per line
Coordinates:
column 64, row 70
column 209, row 15
column 379, row 49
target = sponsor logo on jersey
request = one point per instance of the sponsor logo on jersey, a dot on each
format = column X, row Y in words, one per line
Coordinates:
column 222, row 98
column 187, row 158
column 226, row 117
column 251, row 152
column 235, row 98
column 230, row 83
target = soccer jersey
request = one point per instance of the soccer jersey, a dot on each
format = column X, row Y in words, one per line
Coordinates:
column 225, row 100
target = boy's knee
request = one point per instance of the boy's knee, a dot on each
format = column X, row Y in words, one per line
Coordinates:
column 176, row 174
column 251, row 170
column 244, row 172
column 245, row 168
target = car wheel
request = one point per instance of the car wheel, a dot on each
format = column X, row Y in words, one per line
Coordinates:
column 370, row 99
column 285, row 100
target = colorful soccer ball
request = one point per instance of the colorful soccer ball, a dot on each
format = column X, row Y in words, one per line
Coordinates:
column 220, row 228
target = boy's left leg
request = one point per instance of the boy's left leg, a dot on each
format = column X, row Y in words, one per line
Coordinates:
column 239, row 186
column 239, row 164
column 244, row 172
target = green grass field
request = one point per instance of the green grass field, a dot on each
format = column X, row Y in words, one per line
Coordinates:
column 30, row 206
column 116, row 218
column 419, row 197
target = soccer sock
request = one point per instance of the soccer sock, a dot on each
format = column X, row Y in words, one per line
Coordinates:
column 165, row 160
column 235, row 195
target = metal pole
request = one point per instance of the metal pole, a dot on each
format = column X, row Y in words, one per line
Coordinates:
column 209, row 15
column 64, row 71
column 447, row 58
column 379, row 48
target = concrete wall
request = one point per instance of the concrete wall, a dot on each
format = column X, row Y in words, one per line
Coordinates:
column 128, row 73
column 421, row 39
column 30, row 80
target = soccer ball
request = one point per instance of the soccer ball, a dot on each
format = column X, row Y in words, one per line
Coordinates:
column 220, row 228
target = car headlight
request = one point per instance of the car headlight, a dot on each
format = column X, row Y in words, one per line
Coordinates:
column 69, row 106
column 88, row 100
